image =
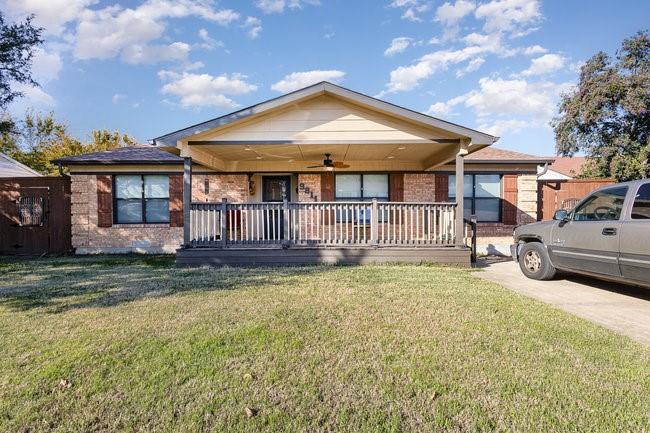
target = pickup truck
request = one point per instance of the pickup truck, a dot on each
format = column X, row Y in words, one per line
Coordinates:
column 606, row 235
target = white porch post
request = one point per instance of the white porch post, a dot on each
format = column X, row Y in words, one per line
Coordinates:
column 460, row 191
column 187, row 199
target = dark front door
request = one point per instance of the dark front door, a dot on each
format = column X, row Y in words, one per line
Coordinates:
column 275, row 189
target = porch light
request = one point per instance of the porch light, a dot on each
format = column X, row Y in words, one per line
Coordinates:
column 390, row 157
column 258, row 157
column 248, row 148
column 401, row 148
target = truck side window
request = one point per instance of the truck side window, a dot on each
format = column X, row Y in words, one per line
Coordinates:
column 641, row 207
column 605, row 205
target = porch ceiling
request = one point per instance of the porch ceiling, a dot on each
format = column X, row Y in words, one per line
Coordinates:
column 418, row 154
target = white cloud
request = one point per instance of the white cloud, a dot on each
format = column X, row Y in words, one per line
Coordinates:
column 135, row 54
column 449, row 14
column 397, row 45
column 412, row 8
column 46, row 65
column 497, row 96
column 406, row 78
column 472, row 66
column 253, row 26
column 513, row 16
column 204, row 90
column 208, row 43
column 117, row 98
column 53, row 15
column 35, row 96
column 278, row 6
column 534, row 49
column 501, row 126
column 298, row 80
column 107, row 32
column 544, row 65
column 445, row 108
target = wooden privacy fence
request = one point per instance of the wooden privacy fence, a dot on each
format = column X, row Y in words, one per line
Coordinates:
column 323, row 223
column 35, row 215
column 563, row 194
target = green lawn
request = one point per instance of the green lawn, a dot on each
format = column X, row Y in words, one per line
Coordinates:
column 134, row 344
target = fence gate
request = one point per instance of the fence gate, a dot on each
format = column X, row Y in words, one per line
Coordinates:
column 35, row 215
column 563, row 194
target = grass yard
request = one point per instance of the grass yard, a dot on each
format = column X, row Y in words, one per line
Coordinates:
column 134, row 344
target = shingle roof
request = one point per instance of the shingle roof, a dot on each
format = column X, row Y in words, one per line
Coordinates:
column 568, row 165
column 124, row 155
column 495, row 155
column 9, row 167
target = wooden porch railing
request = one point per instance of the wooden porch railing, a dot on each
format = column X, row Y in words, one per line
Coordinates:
column 370, row 223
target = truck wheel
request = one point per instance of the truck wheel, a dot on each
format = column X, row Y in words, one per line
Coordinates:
column 535, row 263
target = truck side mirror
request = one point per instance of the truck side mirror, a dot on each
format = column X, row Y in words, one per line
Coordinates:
column 561, row 215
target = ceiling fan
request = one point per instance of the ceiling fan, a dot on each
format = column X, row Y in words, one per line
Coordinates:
column 328, row 164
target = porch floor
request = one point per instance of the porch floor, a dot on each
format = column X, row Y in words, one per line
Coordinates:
column 275, row 255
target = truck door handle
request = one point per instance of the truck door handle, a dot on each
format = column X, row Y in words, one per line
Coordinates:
column 609, row 231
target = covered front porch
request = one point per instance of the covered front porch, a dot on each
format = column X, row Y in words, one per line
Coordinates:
column 330, row 176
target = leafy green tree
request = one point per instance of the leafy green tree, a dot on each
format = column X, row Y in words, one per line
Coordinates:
column 607, row 116
column 39, row 139
column 17, row 43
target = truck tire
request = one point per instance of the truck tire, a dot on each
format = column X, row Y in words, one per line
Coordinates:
column 535, row 263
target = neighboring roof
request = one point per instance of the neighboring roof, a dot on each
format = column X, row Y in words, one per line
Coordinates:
column 568, row 165
column 124, row 155
column 9, row 167
column 325, row 87
column 495, row 155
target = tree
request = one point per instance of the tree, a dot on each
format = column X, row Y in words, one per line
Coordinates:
column 608, row 115
column 39, row 139
column 17, row 43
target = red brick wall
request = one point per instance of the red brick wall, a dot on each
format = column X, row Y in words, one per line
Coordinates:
column 233, row 187
column 311, row 181
column 419, row 187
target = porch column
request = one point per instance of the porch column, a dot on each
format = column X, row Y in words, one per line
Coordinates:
column 460, row 191
column 187, row 199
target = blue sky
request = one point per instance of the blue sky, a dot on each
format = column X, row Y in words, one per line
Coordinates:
column 147, row 68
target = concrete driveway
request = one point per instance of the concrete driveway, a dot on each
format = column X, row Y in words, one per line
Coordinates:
column 624, row 309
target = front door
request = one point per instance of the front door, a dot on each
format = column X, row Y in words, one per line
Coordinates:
column 635, row 238
column 275, row 189
column 589, row 241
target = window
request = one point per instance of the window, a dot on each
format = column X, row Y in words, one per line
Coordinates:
column 361, row 187
column 141, row 199
column 482, row 196
column 641, row 207
column 605, row 205
column 30, row 211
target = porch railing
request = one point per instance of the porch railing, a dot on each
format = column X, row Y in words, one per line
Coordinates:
column 369, row 223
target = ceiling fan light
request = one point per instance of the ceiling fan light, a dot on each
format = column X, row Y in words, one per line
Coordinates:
column 329, row 168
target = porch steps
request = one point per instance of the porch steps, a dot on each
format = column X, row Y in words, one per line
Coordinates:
column 268, row 256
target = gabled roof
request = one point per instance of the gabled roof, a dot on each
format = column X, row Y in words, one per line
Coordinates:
column 322, row 88
column 124, row 155
column 9, row 167
column 495, row 155
column 568, row 166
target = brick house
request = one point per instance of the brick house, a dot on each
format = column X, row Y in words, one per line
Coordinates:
column 323, row 174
